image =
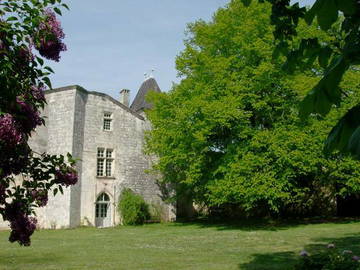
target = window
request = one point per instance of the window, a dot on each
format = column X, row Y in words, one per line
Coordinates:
column 107, row 121
column 109, row 161
column 105, row 162
column 102, row 204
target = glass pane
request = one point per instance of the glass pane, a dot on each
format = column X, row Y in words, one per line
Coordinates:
column 100, row 152
column 107, row 124
column 103, row 197
column 103, row 210
column 100, row 167
column 108, row 167
column 109, row 153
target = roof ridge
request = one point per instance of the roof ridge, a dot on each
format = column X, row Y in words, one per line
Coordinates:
column 79, row 88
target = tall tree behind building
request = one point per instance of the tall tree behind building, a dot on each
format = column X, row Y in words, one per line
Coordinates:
column 228, row 135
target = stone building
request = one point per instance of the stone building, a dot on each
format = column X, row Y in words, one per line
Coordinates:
column 106, row 136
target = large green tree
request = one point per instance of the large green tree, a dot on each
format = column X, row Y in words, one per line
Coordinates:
column 336, row 57
column 229, row 135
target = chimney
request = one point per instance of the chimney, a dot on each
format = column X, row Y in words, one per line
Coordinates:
column 125, row 97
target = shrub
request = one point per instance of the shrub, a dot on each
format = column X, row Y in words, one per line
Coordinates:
column 329, row 259
column 132, row 208
column 157, row 212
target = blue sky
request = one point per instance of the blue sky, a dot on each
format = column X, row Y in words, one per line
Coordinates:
column 112, row 43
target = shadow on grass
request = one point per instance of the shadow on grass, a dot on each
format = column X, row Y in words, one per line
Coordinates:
column 261, row 224
column 271, row 261
column 351, row 242
column 29, row 259
column 287, row 260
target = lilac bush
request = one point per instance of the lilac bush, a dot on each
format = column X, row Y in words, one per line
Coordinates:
column 22, row 226
column 28, row 116
column 50, row 37
column 65, row 176
column 40, row 197
column 26, row 177
column 329, row 258
column 9, row 131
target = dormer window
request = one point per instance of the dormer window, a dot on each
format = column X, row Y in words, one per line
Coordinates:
column 107, row 121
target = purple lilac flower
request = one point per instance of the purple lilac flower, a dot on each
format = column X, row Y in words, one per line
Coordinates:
column 51, row 35
column 67, row 177
column 22, row 226
column 330, row 246
column 25, row 55
column 304, row 253
column 30, row 116
column 38, row 93
column 40, row 197
column 356, row 258
column 21, row 229
column 9, row 132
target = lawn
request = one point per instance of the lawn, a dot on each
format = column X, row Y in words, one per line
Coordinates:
column 177, row 246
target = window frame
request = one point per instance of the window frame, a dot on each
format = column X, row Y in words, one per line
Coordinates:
column 102, row 205
column 107, row 118
column 105, row 162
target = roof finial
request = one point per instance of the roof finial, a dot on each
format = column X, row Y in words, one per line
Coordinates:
column 152, row 73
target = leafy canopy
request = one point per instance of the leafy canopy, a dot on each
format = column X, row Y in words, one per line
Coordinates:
column 229, row 135
column 336, row 57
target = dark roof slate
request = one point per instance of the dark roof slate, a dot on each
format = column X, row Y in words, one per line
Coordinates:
column 139, row 102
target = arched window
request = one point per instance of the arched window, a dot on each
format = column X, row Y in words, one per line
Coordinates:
column 103, row 197
column 102, row 205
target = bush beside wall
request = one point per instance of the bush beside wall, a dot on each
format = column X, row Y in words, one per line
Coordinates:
column 132, row 208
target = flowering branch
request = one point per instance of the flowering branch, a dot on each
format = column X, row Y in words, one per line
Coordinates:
column 26, row 25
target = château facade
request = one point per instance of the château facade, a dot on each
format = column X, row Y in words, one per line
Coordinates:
column 107, row 138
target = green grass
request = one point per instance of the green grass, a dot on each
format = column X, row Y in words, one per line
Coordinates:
column 177, row 246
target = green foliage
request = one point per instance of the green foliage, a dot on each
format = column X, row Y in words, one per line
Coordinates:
column 329, row 259
column 132, row 208
column 156, row 212
column 342, row 52
column 229, row 133
column 26, row 26
column 345, row 135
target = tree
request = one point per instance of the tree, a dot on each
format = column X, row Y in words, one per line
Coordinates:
column 336, row 57
column 26, row 177
column 229, row 135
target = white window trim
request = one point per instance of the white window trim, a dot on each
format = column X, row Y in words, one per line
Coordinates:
column 109, row 117
column 104, row 157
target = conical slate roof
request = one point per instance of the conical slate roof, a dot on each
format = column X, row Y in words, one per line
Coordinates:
column 139, row 102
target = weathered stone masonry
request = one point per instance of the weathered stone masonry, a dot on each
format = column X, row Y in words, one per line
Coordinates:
column 74, row 120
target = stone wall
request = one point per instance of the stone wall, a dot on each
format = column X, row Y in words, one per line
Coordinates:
column 74, row 123
column 130, row 163
column 59, row 125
